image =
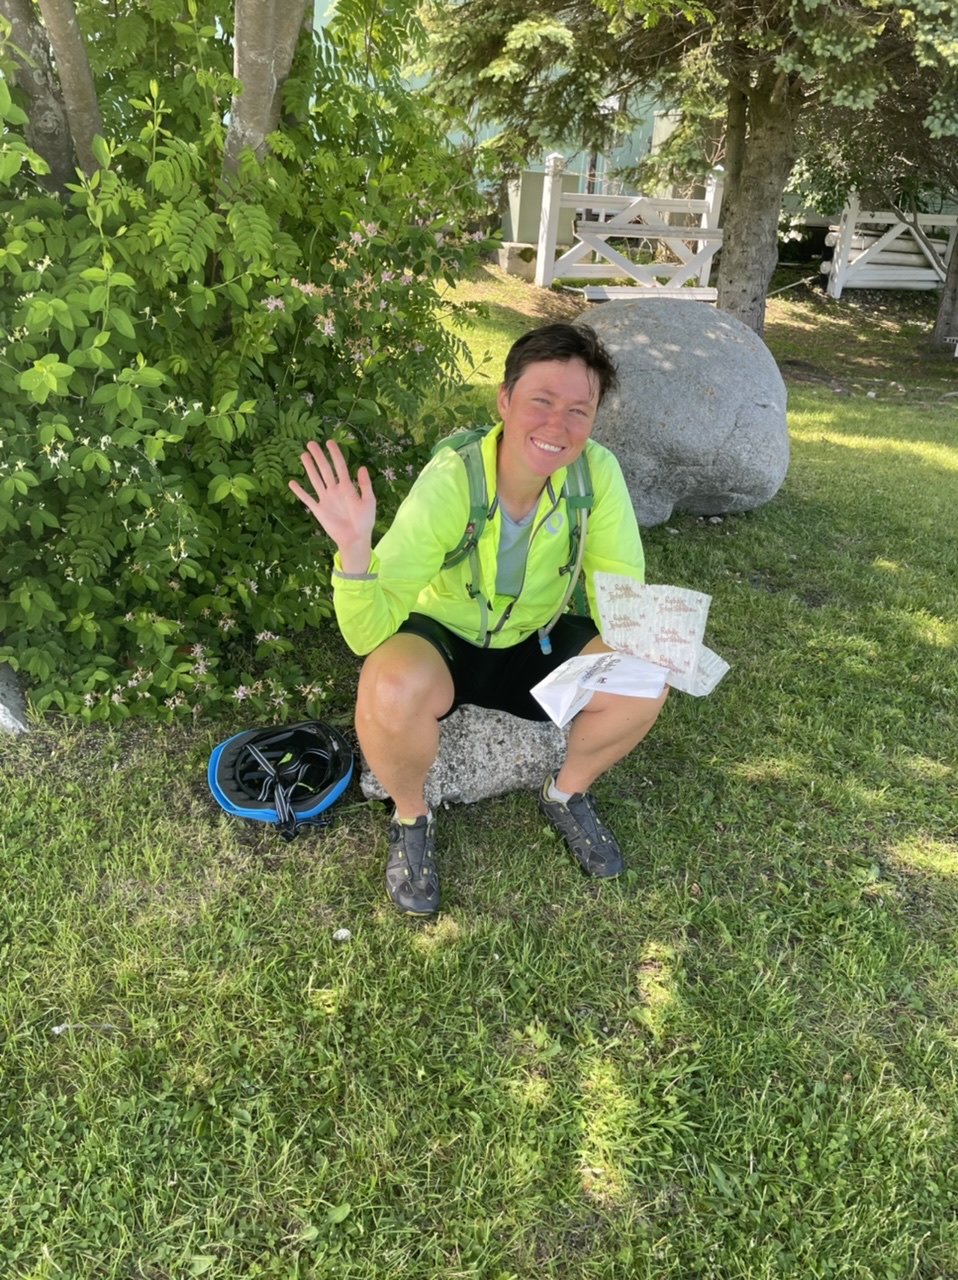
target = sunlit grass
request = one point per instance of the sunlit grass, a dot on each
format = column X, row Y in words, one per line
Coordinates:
column 936, row 455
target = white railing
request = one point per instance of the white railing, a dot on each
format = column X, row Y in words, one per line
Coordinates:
column 881, row 250
column 636, row 218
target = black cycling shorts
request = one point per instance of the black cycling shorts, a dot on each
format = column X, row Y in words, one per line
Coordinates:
column 501, row 678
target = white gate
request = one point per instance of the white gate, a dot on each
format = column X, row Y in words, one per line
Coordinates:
column 883, row 251
column 638, row 218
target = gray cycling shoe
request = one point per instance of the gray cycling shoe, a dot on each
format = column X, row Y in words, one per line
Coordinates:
column 576, row 820
column 412, row 880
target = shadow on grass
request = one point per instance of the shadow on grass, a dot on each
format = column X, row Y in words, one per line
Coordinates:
column 878, row 334
column 521, row 303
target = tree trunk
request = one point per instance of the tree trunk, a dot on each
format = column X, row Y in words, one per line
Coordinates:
column 753, row 201
column 76, row 78
column 946, row 322
column 264, row 42
column 736, row 131
column 47, row 130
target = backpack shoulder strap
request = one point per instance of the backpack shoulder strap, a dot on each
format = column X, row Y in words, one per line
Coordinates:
column 577, row 491
column 578, row 485
column 579, row 498
column 468, row 444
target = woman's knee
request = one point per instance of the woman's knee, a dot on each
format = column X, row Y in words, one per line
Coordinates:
column 622, row 706
column 400, row 680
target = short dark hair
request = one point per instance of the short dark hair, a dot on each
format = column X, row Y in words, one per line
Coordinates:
column 561, row 342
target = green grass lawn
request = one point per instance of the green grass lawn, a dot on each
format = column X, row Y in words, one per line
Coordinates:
column 739, row 1061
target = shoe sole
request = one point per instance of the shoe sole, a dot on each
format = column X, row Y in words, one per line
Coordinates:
column 592, row 875
column 408, row 911
column 600, row 875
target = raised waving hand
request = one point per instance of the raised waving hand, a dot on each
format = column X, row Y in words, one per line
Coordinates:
column 346, row 513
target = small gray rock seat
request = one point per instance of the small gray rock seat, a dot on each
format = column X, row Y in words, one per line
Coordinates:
column 484, row 753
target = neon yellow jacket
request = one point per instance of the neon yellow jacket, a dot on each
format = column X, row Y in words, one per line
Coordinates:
column 406, row 575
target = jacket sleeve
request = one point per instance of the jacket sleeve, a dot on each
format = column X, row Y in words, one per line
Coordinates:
column 613, row 543
column 429, row 523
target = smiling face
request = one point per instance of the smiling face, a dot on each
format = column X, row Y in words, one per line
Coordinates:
column 547, row 418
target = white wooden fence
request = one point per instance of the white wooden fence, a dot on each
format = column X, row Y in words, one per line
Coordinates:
column 880, row 250
column 629, row 218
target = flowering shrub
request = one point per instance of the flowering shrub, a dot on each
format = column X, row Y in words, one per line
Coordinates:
column 169, row 344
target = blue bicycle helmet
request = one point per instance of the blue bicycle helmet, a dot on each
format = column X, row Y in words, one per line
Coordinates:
column 288, row 775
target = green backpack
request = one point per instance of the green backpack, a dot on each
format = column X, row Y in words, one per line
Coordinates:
column 578, row 495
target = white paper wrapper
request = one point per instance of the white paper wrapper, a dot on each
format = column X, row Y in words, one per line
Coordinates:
column 660, row 624
column 565, row 691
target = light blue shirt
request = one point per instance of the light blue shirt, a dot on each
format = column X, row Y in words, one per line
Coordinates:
column 513, row 548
